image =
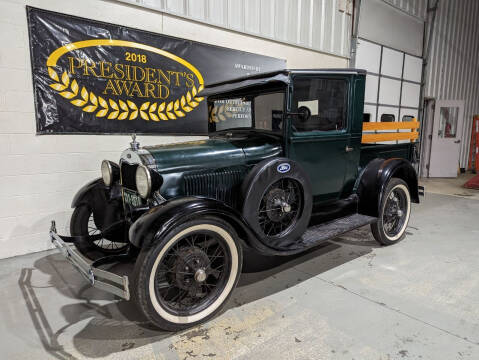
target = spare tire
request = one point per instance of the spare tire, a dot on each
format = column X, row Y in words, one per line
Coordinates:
column 277, row 201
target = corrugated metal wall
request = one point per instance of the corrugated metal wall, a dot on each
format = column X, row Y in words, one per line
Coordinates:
column 453, row 69
column 322, row 25
column 416, row 8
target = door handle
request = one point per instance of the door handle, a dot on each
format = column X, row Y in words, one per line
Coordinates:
column 457, row 141
column 349, row 148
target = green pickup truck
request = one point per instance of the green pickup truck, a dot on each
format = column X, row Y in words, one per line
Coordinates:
column 283, row 169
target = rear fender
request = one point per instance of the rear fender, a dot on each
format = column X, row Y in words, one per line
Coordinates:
column 375, row 177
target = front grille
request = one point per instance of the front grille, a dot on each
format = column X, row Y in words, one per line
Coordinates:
column 221, row 184
column 128, row 173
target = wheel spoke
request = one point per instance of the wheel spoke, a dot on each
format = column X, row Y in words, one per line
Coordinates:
column 103, row 244
column 163, row 285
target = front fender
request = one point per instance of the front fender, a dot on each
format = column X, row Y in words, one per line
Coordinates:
column 157, row 222
column 105, row 202
column 94, row 190
column 375, row 178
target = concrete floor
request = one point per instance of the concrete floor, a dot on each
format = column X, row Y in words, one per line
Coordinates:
column 349, row 299
column 450, row 186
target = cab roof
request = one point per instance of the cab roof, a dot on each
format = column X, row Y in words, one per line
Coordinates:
column 272, row 78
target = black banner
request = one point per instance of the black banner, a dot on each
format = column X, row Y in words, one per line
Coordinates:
column 94, row 77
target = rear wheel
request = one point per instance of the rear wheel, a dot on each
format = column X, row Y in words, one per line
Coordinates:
column 394, row 213
column 83, row 223
column 186, row 276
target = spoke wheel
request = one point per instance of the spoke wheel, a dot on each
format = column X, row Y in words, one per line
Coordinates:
column 192, row 273
column 83, row 223
column 188, row 273
column 280, row 207
column 103, row 244
column 394, row 213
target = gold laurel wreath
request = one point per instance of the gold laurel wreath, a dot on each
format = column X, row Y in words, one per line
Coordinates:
column 121, row 110
column 218, row 113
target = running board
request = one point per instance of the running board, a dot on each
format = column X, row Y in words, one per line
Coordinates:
column 317, row 234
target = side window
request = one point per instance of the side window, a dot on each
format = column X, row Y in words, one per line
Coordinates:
column 387, row 118
column 407, row 118
column 326, row 101
column 366, row 117
column 268, row 111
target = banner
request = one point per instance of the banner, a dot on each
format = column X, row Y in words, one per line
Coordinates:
column 98, row 78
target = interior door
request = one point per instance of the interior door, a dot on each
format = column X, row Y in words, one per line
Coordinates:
column 446, row 138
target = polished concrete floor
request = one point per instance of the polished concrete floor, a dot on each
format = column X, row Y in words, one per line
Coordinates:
column 451, row 186
column 349, row 299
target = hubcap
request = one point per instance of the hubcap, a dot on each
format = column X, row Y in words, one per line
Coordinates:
column 200, row 275
column 285, row 207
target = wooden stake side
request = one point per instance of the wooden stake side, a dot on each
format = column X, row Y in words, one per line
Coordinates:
column 390, row 136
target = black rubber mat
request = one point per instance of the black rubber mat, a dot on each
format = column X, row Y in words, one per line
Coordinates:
column 329, row 230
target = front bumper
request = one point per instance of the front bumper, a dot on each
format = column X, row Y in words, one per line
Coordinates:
column 101, row 279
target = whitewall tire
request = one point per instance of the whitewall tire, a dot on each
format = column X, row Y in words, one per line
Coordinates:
column 188, row 274
column 394, row 213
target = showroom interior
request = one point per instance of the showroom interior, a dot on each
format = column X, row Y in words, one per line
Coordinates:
column 364, row 156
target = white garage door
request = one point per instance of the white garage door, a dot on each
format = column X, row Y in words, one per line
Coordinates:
column 393, row 82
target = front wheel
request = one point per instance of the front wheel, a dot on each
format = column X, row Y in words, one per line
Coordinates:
column 394, row 213
column 187, row 276
column 83, row 223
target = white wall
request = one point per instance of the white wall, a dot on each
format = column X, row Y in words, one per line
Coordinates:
column 40, row 174
column 453, row 67
column 416, row 8
column 322, row 25
column 387, row 25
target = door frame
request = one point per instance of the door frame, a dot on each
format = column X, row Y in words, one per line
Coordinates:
column 435, row 123
column 317, row 136
column 427, row 122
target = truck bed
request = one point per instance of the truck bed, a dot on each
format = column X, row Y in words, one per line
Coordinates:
column 385, row 151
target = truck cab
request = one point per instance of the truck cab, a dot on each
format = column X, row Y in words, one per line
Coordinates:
column 287, row 165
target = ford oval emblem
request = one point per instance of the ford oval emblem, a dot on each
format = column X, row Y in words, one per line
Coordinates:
column 283, row 168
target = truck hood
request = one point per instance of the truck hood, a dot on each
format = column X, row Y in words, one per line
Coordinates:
column 214, row 152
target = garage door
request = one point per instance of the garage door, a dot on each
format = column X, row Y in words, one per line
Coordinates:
column 393, row 82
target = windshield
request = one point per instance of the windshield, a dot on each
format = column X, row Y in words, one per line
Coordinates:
column 261, row 112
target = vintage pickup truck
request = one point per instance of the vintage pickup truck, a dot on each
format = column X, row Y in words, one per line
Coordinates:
column 283, row 170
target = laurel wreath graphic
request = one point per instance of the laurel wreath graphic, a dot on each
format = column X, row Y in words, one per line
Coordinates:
column 121, row 110
column 218, row 113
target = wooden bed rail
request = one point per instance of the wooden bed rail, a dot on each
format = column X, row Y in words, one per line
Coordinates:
column 413, row 125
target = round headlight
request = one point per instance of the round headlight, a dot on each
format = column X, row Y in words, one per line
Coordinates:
column 143, row 181
column 106, row 172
